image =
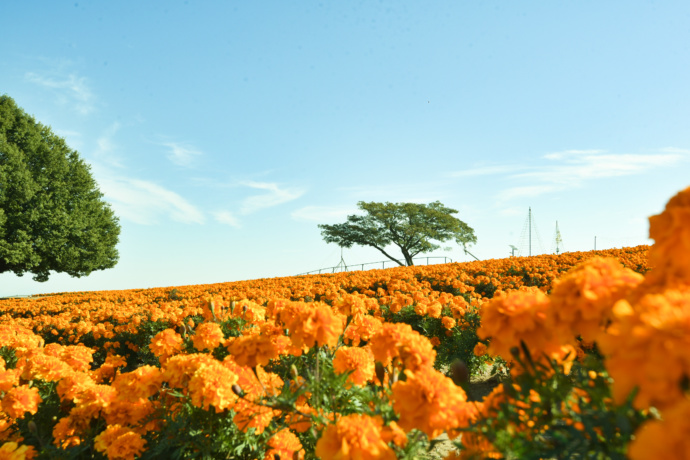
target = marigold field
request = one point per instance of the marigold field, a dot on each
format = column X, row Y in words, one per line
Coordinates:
column 580, row 355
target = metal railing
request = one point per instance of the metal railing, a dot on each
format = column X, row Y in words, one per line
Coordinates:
column 345, row 268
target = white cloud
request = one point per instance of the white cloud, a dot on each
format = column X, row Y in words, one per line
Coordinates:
column 227, row 218
column 181, row 154
column 572, row 168
column 145, row 203
column 323, row 214
column 70, row 89
column 274, row 197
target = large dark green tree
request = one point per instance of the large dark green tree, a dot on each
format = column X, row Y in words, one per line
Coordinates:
column 410, row 226
column 52, row 214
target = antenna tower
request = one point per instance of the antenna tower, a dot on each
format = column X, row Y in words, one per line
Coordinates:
column 557, row 240
column 526, row 236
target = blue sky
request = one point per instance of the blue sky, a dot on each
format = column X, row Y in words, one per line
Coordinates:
column 223, row 133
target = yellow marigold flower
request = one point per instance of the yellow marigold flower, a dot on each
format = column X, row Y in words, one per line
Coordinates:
column 20, row 400
column 207, row 336
column 253, row 350
column 670, row 254
column 356, row 437
column 118, row 442
column 211, row 385
column 166, row 343
column 431, row 402
column 284, row 445
column 13, row 451
column 359, row 361
column 666, row 438
column 582, row 299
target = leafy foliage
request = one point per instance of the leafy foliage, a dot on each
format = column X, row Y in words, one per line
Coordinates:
column 410, row 226
column 52, row 216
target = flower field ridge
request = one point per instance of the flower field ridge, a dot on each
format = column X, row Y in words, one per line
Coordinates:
column 587, row 354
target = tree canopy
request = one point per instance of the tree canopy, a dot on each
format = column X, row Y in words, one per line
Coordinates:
column 410, row 226
column 52, row 216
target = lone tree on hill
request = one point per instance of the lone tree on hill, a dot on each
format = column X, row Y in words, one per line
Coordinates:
column 409, row 226
column 52, row 216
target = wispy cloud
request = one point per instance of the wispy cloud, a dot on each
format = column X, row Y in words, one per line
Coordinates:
column 181, row 154
column 569, row 169
column 70, row 89
column 323, row 214
column 227, row 218
column 146, row 203
column 274, row 196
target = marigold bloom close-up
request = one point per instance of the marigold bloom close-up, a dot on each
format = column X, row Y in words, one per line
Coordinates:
column 252, row 350
column 431, row 402
column 359, row 361
column 14, row 451
column 211, row 385
column 20, row 400
column 166, row 343
column 354, row 437
column 207, row 336
column 119, row 443
column 284, row 445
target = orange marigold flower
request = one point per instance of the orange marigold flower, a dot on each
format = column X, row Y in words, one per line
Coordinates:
column 648, row 347
column 44, row 367
column 73, row 385
column 449, row 322
column 106, row 372
column 13, row 451
column 253, row 350
column 207, row 336
column 670, row 254
column 315, row 325
column 356, row 437
column 431, row 402
column 143, row 382
column 581, row 301
column 8, row 379
column 520, row 316
column 166, row 343
column 284, row 445
column 127, row 411
column 66, row 433
column 479, row 349
column 179, row 369
column 118, row 442
column 20, row 400
column 666, row 438
column 362, row 327
column 400, row 340
column 211, row 385
column 359, row 361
